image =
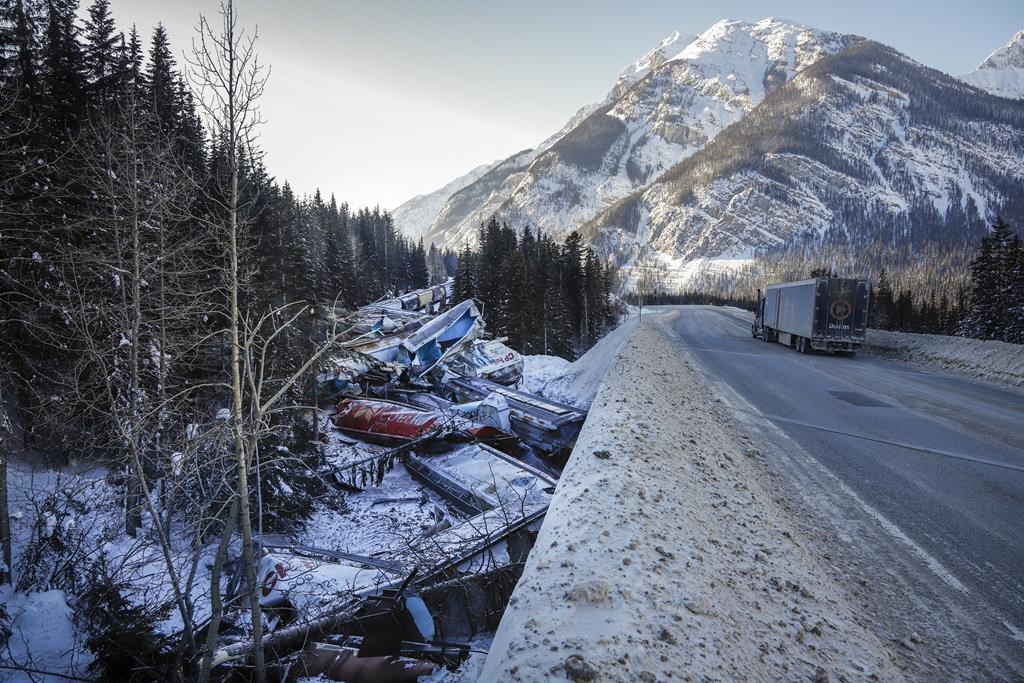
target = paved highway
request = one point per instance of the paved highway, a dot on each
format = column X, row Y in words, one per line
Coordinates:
column 919, row 474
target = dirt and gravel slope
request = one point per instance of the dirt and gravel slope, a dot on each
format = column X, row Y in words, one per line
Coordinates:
column 665, row 556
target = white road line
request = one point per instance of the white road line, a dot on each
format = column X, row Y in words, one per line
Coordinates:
column 742, row 407
column 898, row 534
column 898, row 444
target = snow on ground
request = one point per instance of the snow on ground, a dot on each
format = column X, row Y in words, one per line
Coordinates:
column 665, row 555
column 83, row 511
column 43, row 635
column 575, row 383
column 988, row 360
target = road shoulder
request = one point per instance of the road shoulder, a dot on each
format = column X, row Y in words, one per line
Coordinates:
column 665, row 554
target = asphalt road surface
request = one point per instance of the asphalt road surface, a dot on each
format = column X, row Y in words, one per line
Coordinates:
column 919, row 475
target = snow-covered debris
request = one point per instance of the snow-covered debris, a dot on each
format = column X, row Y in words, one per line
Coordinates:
column 664, row 554
column 538, row 370
column 992, row 361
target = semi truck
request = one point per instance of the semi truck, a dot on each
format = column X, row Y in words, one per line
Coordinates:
column 820, row 314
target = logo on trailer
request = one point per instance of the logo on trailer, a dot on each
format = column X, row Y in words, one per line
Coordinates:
column 841, row 309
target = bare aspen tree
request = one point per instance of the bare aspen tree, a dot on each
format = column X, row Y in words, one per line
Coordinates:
column 12, row 170
column 229, row 79
column 5, row 448
column 138, row 192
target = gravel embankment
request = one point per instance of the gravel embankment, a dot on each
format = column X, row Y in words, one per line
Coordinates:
column 663, row 555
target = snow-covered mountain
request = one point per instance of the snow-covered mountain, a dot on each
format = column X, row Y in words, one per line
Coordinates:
column 661, row 109
column 753, row 135
column 863, row 146
column 422, row 209
column 1002, row 73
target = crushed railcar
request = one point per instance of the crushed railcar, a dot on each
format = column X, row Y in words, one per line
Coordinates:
column 546, row 425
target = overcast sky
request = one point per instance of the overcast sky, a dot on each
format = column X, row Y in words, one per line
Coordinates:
column 378, row 101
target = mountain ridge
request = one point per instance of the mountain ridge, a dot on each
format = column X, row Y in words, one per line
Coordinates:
column 1002, row 72
column 627, row 171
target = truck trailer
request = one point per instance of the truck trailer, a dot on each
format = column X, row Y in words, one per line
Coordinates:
column 821, row 314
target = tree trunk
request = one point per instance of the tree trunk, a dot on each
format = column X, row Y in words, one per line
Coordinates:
column 216, row 605
column 241, row 456
column 5, row 519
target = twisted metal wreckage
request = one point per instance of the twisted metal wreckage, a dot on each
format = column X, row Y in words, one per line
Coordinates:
column 418, row 375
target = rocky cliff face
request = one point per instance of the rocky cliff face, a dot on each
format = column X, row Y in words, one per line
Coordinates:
column 662, row 108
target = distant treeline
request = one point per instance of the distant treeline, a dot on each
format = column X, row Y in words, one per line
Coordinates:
column 971, row 290
column 545, row 297
column 689, row 297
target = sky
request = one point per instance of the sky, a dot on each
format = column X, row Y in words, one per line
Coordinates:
column 377, row 101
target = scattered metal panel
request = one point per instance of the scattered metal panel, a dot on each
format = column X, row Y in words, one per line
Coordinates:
column 441, row 338
column 454, row 491
column 299, row 549
column 488, row 359
column 478, row 478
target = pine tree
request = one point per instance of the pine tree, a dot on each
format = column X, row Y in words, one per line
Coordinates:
column 63, row 74
column 1014, row 332
column 418, row 267
column 160, row 81
column 992, row 284
column 465, row 275
column 573, row 282
column 101, row 52
column 881, row 308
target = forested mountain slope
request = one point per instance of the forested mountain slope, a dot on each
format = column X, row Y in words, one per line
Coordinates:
column 863, row 146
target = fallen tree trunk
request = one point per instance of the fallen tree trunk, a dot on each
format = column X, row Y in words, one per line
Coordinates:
column 289, row 639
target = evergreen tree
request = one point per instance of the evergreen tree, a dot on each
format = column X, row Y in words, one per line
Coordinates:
column 418, row 271
column 882, row 305
column 993, row 284
column 1014, row 332
column 63, row 75
column 102, row 62
column 465, row 275
column 160, row 81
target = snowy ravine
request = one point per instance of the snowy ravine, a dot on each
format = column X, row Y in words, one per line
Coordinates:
column 664, row 555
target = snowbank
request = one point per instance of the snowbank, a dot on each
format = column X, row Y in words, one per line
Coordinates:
column 663, row 555
column 43, row 635
column 539, row 370
column 575, row 383
column 993, row 361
